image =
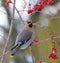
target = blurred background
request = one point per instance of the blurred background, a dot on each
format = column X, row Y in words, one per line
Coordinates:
column 47, row 21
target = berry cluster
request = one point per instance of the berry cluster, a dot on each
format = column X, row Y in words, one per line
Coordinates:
column 53, row 56
column 54, row 50
column 41, row 5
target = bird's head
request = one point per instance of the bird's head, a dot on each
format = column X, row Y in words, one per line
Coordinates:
column 29, row 24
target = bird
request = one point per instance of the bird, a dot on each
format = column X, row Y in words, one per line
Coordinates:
column 23, row 38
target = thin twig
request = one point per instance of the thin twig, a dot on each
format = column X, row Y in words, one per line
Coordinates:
column 19, row 15
column 5, row 53
column 31, row 54
column 55, row 17
column 10, row 31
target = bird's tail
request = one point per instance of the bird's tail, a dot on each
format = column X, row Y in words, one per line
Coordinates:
column 14, row 49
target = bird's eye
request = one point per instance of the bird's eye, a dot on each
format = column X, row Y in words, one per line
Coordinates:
column 31, row 25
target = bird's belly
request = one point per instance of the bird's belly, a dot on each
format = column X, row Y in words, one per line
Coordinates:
column 24, row 46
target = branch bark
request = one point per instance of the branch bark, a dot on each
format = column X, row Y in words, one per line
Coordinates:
column 10, row 31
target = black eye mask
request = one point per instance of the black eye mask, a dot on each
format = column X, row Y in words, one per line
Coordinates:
column 30, row 24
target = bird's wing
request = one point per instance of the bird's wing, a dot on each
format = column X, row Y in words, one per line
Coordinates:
column 29, row 42
column 24, row 46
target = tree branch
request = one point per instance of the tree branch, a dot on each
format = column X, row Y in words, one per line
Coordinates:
column 10, row 31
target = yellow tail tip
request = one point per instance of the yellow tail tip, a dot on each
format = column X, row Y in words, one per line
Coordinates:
column 11, row 56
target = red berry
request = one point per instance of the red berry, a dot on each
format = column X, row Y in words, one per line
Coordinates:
column 54, row 49
column 54, row 57
column 36, row 7
column 50, row 1
column 44, row 2
column 6, row 4
column 50, row 55
column 30, row 11
column 29, row 4
column 36, row 41
column 39, row 61
column 41, row 6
